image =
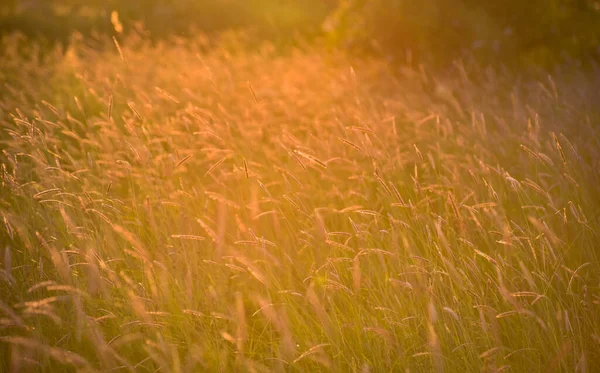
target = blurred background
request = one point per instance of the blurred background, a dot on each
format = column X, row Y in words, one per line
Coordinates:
column 435, row 32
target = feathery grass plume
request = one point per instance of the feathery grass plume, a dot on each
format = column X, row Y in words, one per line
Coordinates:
column 253, row 92
column 183, row 160
column 215, row 165
column 116, row 23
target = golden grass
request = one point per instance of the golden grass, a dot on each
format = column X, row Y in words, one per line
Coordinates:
column 170, row 209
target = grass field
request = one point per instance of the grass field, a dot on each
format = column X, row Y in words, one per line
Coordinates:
column 168, row 208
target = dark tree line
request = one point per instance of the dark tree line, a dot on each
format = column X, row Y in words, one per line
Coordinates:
column 433, row 31
column 532, row 31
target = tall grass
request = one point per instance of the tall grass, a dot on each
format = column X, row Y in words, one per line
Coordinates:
column 167, row 209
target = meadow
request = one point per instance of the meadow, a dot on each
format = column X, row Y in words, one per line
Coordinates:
column 186, row 207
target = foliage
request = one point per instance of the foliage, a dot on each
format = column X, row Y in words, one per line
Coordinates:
column 436, row 32
column 439, row 31
column 56, row 20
